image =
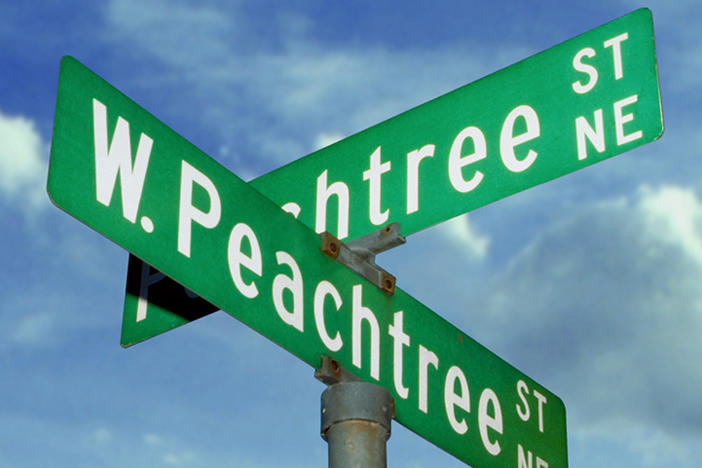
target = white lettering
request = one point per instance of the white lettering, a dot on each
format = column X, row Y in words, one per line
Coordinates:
column 187, row 213
column 485, row 421
column 372, row 175
column 400, row 339
column 526, row 460
column 359, row 314
column 282, row 282
column 591, row 71
column 426, row 358
column 457, row 161
column 236, row 259
column 542, row 400
column 452, row 399
column 508, row 140
column 584, row 130
column 522, row 461
column 620, row 119
column 524, row 413
column 323, row 289
column 616, row 44
column 523, row 391
column 118, row 159
column 292, row 208
column 341, row 191
column 147, row 279
column 413, row 160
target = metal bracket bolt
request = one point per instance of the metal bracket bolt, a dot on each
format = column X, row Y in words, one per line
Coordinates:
column 359, row 254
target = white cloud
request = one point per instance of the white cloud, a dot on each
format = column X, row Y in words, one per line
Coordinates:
column 325, row 139
column 679, row 44
column 267, row 81
column 22, row 164
column 659, row 448
column 165, row 449
column 173, row 29
column 35, row 329
column 674, row 215
column 152, row 439
column 32, row 310
column 463, row 235
column 349, row 89
column 637, row 445
column 180, row 459
column 604, row 308
column 102, row 435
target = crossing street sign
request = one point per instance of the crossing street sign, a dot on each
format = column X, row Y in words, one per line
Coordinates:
column 580, row 102
column 127, row 175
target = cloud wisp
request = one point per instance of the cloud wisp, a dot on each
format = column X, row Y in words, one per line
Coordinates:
column 273, row 93
column 463, row 235
column 22, row 163
column 606, row 304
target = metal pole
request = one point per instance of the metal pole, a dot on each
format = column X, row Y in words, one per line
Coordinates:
column 356, row 415
column 356, row 420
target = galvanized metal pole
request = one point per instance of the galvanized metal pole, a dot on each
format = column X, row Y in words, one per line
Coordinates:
column 356, row 420
column 356, row 415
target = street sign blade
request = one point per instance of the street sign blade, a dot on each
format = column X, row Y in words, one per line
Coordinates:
column 155, row 303
column 266, row 269
column 580, row 102
column 587, row 99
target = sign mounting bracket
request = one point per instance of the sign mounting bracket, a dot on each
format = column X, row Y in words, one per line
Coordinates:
column 359, row 254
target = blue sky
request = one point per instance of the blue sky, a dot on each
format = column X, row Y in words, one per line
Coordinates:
column 589, row 284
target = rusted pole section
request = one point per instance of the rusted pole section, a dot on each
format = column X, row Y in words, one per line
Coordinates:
column 356, row 420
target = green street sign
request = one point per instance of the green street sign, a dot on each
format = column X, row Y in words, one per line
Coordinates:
column 155, row 303
column 580, row 102
column 122, row 172
column 585, row 100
